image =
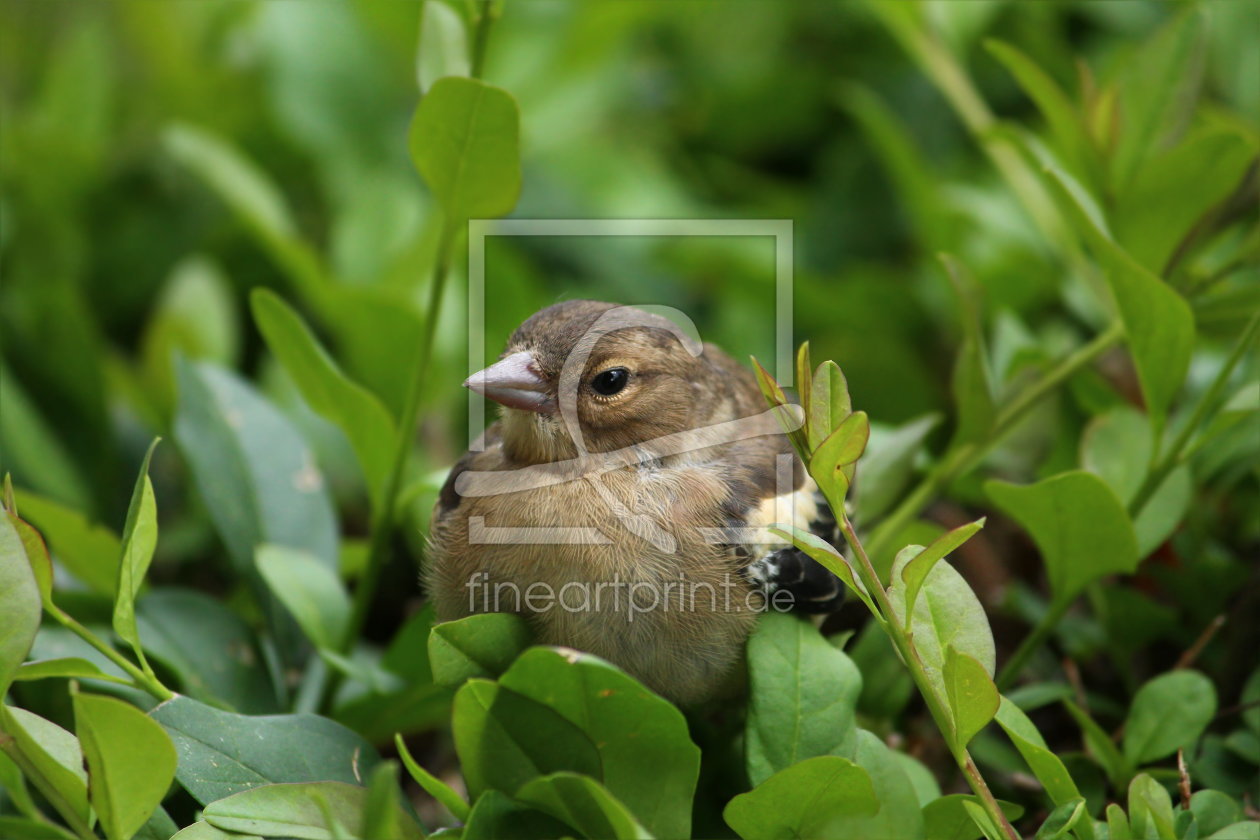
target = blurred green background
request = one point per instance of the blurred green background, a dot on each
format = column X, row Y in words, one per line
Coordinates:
column 162, row 159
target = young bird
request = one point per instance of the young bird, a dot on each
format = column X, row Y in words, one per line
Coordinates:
column 619, row 503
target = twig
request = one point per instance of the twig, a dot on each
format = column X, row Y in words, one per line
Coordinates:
column 1192, row 653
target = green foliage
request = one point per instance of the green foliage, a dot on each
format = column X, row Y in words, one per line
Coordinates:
column 212, row 234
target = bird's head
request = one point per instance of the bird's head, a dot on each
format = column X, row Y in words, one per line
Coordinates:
column 623, row 375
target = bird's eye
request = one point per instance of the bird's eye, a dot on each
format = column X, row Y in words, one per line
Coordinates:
column 610, row 381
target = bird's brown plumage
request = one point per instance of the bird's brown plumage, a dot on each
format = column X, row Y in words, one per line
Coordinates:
column 655, row 517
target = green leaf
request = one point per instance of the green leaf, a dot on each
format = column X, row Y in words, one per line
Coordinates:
column 255, row 474
column 1150, row 809
column 584, row 804
column 195, row 315
column 1116, row 446
column 432, row 785
column 19, row 603
column 130, row 760
column 1066, row 123
column 70, row 666
column 1045, row 765
column 972, row 384
column 464, row 141
column 36, row 554
column 221, row 753
column 302, row 811
column 1213, row 811
column 804, row 384
column 786, row 414
column 888, row 464
column 921, row 564
column 50, row 758
column 649, row 761
column 1158, row 81
column 202, row 830
column 1100, row 746
column 443, row 44
column 814, row 798
column 382, row 816
column 1079, row 525
column 831, row 559
column 1117, row 823
column 252, row 196
column 23, row 828
column 973, row 698
column 482, row 645
column 802, row 697
column 88, row 551
column 1157, row 321
column 138, row 543
column 1201, row 171
column 829, row 403
column 1062, row 820
column 32, row 451
column 1169, row 712
column 495, row 816
column 211, row 649
column 947, row 818
column 505, row 740
column 310, row 590
column 365, row 421
column 832, row 463
column 946, row 614
column 1249, row 830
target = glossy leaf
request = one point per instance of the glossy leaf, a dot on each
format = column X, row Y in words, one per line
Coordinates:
column 947, row 818
column 221, row 753
column 946, row 614
column 211, row 649
column 310, row 590
column 130, row 760
column 365, row 421
column 921, row 564
column 432, row 785
column 971, row 694
column 649, row 761
column 72, row 667
column 19, row 603
column 464, row 141
column 829, row 403
column 301, row 811
column 505, row 739
column 1116, row 446
column 1043, row 762
column 802, row 697
column 138, row 543
column 1079, row 525
column 88, row 550
column 832, row 463
column 257, row 477
column 583, row 803
column 53, row 758
column 482, row 645
column 496, row 815
column 813, row 798
column 826, row 554
column 1169, row 712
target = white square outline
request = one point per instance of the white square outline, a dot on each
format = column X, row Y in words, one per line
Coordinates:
column 479, row 229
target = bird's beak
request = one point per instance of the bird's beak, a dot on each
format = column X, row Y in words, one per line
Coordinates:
column 514, row 382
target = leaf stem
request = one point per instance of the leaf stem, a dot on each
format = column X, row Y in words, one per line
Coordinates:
column 1173, row 457
column 965, row 457
column 146, row 681
column 383, row 517
column 489, row 13
column 903, row 641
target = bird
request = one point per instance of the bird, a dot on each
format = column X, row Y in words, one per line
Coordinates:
column 619, row 503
